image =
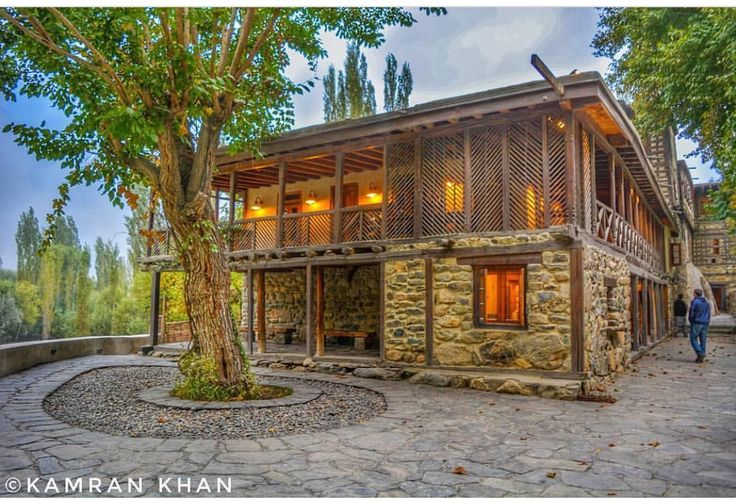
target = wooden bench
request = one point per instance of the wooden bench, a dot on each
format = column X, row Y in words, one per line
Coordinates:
column 283, row 334
column 359, row 338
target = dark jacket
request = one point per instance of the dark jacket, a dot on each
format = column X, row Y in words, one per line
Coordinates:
column 699, row 312
column 680, row 308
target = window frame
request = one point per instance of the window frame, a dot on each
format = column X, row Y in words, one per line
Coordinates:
column 675, row 254
column 479, row 277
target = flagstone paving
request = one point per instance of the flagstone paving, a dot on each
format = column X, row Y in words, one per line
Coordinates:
column 671, row 433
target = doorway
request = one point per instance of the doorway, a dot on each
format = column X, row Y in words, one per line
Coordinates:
column 719, row 296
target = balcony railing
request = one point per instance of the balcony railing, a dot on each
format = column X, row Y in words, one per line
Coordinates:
column 612, row 227
column 359, row 223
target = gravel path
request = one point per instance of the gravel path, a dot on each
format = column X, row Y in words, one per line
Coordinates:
column 105, row 400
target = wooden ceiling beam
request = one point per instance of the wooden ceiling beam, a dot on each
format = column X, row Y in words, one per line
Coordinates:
column 360, row 163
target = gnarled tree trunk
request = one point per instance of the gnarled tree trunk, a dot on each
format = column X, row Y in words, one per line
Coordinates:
column 201, row 253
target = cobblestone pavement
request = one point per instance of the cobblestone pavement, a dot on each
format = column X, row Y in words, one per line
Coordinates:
column 672, row 433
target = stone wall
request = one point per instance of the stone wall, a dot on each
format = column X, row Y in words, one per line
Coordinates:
column 606, row 311
column 352, row 298
column 404, row 315
column 544, row 344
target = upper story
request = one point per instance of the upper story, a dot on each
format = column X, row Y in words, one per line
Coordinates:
column 515, row 159
column 713, row 245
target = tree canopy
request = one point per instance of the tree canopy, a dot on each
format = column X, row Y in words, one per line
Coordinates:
column 678, row 66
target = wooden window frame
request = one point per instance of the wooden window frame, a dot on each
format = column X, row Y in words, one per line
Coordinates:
column 675, row 254
column 478, row 275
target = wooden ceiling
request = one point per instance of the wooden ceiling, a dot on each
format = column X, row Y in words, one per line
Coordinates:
column 308, row 168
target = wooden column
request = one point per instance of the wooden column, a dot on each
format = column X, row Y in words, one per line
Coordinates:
column 320, row 308
column 577, row 308
column 151, row 217
column 505, row 206
column 280, row 204
column 217, row 205
column 310, row 311
column 155, row 300
column 634, row 312
column 593, row 189
column 233, row 191
column 571, row 169
column 467, row 189
column 418, row 187
column 546, row 198
column 645, row 313
column 251, row 311
column 384, row 199
column 622, row 196
column 261, row 307
column 612, row 169
column 428, row 312
column 337, row 216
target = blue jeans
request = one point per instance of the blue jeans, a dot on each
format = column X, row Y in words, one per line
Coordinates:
column 698, row 336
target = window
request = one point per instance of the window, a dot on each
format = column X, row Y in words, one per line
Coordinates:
column 716, row 250
column 499, row 293
column 454, row 197
column 675, row 253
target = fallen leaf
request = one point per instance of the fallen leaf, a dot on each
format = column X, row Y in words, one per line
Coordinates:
column 611, row 493
column 459, row 470
column 611, row 445
column 653, row 444
column 551, row 475
column 162, row 420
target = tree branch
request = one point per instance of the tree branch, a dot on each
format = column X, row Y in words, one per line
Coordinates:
column 257, row 46
column 225, row 43
column 243, row 39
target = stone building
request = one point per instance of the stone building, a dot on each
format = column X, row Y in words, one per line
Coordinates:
column 714, row 252
column 525, row 231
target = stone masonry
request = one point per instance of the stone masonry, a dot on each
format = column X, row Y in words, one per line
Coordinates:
column 404, row 316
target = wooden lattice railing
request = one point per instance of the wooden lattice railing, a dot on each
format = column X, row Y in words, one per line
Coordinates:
column 612, row 227
column 361, row 224
column 308, row 229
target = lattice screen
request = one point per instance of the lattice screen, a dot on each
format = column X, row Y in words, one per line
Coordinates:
column 400, row 190
column 558, row 211
column 486, row 158
column 443, row 185
column 526, row 204
column 587, row 188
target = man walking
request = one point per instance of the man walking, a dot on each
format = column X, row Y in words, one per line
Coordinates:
column 680, row 309
column 699, row 320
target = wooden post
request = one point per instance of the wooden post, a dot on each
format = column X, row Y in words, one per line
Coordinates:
column 645, row 313
column 428, row 312
column 310, row 311
column 593, row 189
column 151, row 217
column 571, row 169
column 467, row 189
column 635, row 312
column 217, row 205
column 577, row 307
column 418, row 186
column 155, row 298
column 281, row 203
column 384, row 202
column 612, row 168
column 231, row 213
column 261, row 307
column 320, row 307
column 505, row 177
column 545, row 173
column 251, row 312
column 337, row 216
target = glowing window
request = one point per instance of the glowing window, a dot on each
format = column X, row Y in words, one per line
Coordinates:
column 499, row 295
column 454, row 197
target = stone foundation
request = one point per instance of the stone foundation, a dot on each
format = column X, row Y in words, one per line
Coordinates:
column 404, row 311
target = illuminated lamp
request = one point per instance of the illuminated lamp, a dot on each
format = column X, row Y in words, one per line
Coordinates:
column 372, row 192
column 257, row 204
column 311, row 198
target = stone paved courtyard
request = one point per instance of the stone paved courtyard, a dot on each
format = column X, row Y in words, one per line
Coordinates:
column 671, row 433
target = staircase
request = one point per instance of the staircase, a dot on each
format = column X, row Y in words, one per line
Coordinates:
column 723, row 324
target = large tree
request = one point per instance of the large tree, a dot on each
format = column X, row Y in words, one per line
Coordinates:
column 678, row 65
column 351, row 94
column 396, row 88
column 151, row 93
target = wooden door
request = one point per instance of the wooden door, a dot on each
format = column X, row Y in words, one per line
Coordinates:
column 718, row 297
column 350, row 195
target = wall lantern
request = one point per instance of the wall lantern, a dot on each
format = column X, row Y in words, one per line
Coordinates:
column 311, row 198
column 372, row 192
column 257, row 204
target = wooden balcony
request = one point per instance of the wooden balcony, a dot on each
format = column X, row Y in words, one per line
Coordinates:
column 612, row 228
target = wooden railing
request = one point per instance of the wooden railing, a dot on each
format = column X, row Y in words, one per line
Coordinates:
column 308, row 229
column 613, row 228
column 361, row 223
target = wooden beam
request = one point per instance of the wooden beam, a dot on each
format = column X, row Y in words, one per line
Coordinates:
column 634, row 313
column 577, row 306
column 155, row 305
column 251, row 311
column 428, row 312
column 339, row 174
column 261, row 307
column 384, row 199
column 468, row 189
column 280, row 204
column 418, row 187
column 612, row 190
column 320, row 307
column 545, row 72
column 593, row 189
column 572, row 168
column 310, row 311
column 505, row 204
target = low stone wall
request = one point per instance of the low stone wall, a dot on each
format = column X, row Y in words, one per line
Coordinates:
column 24, row 355
column 607, row 298
column 175, row 331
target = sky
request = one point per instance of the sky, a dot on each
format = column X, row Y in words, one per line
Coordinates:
column 468, row 50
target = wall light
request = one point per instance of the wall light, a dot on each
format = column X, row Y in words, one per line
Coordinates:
column 257, row 204
column 372, row 192
column 311, row 198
